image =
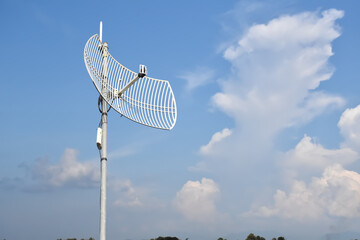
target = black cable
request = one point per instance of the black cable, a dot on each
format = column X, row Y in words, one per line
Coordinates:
column 99, row 103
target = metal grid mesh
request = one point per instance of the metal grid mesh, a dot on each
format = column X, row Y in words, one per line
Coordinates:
column 149, row 101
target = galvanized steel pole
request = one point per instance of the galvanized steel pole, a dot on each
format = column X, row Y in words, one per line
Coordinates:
column 104, row 107
column 103, row 172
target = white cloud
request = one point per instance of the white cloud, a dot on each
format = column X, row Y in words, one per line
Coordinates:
column 196, row 200
column 199, row 77
column 129, row 197
column 275, row 69
column 308, row 154
column 289, row 30
column 217, row 137
column 336, row 193
column 68, row 172
column 349, row 125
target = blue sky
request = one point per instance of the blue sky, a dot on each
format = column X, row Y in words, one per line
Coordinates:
column 267, row 138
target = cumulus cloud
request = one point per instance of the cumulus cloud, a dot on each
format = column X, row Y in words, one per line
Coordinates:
column 129, row 197
column 217, row 137
column 336, row 193
column 196, row 200
column 349, row 125
column 308, row 154
column 276, row 68
column 68, row 172
column 289, row 30
column 199, row 77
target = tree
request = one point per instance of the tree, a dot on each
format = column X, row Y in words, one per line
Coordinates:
column 251, row 236
column 165, row 238
column 281, row 238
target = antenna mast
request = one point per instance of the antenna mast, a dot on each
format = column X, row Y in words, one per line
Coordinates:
column 103, row 145
column 142, row 99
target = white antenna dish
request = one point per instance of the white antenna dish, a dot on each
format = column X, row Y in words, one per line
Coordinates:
column 144, row 100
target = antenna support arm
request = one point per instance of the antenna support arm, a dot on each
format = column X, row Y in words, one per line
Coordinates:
column 142, row 73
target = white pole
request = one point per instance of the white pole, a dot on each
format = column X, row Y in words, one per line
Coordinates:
column 103, row 173
column 104, row 107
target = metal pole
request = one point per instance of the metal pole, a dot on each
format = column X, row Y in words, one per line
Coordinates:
column 104, row 146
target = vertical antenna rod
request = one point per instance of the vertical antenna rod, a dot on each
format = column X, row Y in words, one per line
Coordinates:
column 103, row 160
column 101, row 31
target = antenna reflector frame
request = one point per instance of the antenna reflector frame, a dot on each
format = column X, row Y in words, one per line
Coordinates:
column 146, row 100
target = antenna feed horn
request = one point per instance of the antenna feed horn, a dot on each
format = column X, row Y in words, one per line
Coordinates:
column 142, row 71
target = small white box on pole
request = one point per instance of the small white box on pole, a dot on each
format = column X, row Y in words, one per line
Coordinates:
column 98, row 138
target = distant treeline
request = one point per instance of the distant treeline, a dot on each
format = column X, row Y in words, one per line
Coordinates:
column 76, row 239
column 251, row 236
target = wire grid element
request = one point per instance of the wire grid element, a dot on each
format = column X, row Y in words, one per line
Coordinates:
column 148, row 101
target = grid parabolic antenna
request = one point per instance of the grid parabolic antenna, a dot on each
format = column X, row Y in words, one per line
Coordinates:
column 147, row 101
